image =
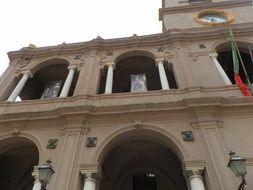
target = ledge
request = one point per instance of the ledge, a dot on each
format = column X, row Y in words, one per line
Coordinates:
column 171, row 101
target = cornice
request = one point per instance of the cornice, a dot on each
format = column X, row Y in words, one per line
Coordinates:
column 202, row 6
column 174, row 35
column 230, row 105
column 209, row 33
column 95, row 44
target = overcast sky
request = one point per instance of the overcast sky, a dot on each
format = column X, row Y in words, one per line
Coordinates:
column 51, row 22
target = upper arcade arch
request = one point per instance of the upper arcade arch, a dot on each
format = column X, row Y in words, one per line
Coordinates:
column 225, row 59
column 133, row 53
column 36, row 66
column 136, row 71
column 225, row 45
column 47, row 79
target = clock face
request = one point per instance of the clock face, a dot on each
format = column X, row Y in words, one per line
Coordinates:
column 213, row 18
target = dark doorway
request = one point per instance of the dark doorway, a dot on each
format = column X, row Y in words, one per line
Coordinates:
column 144, row 181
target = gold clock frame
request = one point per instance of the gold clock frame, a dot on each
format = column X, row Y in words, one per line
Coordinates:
column 229, row 17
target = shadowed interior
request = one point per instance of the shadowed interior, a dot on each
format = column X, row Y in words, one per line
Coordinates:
column 135, row 65
column 226, row 61
column 142, row 165
column 18, row 156
column 54, row 70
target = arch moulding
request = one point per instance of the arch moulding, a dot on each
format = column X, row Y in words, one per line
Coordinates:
column 217, row 45
column 25, row 135
column 39, row 64
column 139, row 131
column 134, row 52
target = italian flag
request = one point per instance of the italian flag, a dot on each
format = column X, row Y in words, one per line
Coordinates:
column 237, row 77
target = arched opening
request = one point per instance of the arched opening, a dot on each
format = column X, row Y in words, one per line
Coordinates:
column 141, row 163
column 226, row 61
column 18, row 156
column 137, row 73
column 48, row 81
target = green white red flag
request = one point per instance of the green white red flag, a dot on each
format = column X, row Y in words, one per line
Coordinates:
column 237, row 77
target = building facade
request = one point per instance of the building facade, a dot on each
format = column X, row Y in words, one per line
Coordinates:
column 153, row 112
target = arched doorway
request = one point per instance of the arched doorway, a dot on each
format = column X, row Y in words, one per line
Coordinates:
column 142, row 163
column 18, row 156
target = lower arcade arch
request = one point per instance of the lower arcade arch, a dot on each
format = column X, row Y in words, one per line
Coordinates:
column 18, row 156
column 141, row 163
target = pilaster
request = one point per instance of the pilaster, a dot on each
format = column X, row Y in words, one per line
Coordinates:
column 66, row 170
column 218, row 174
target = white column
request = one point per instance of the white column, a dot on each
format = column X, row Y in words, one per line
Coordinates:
column 68, row 81
column 35, row 174
column 196, row 182
column 89, row 184
column 194, row 176
column 220, row 69
column 90, row 180
column 162, row 74
column 109, row 78
column 15, row 93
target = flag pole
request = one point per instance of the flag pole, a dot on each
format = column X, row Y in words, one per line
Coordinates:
column 239, row 54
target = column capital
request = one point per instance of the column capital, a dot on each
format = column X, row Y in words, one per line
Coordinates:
column 213, row 55
column 190, row 172
column 159, row 60
column 72, row 67
column 91, row 172
column 112, row 63
column 29, row 73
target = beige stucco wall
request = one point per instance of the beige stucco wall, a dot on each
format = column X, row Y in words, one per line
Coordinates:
column 218, row 115
column 186, row 20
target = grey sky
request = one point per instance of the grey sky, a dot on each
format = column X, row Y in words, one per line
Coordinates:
column 51, row 22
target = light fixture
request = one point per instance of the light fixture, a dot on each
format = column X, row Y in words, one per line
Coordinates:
column 45, row 173
column 237, row 165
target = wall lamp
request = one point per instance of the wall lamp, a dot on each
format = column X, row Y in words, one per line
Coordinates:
column 45, row 173
column 237, row 165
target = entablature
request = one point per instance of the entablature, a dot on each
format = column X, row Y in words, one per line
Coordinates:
column 183, row 35
column 83, row 110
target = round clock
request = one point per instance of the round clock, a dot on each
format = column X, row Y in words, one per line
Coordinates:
column 213, row 17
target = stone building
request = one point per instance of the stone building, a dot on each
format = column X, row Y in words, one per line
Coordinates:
column 155, row 112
